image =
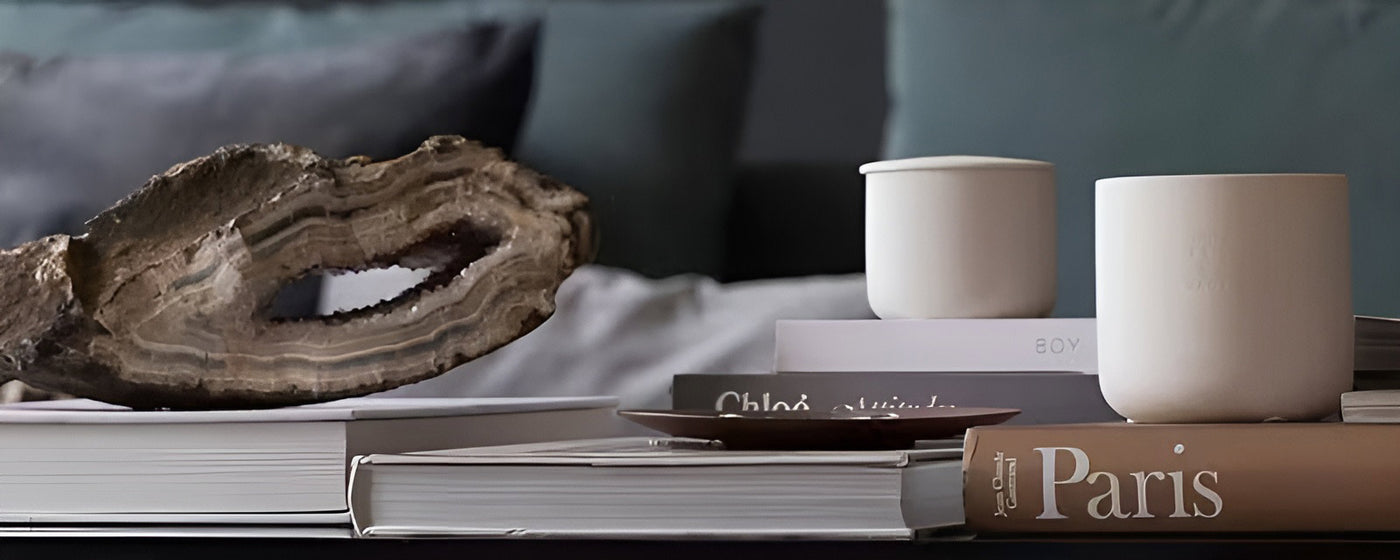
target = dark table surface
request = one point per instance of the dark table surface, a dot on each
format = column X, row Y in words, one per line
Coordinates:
column 1173, row 548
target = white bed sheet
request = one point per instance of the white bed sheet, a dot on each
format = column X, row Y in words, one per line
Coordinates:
column 618, row 333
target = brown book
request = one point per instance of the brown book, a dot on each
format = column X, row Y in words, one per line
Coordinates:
column 1094, row 478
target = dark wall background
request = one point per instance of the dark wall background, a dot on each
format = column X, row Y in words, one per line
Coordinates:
column 819, row 85
column 816, row 112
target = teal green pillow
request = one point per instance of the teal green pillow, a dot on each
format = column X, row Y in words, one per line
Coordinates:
column 1130, row 87
column 637, row 103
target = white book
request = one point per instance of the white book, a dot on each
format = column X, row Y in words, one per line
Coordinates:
column 1371, row 407
column 179, row 531
column 934, row 345
column 993, row 345
column 83, row 461
column 656, row 488
column 20, row 521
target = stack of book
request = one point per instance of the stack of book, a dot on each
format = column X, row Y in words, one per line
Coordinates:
column 552, row 467
column 1044, row 367
column 1071, row 466
column 667, row 487
column 1090, row 478
column 82, row 467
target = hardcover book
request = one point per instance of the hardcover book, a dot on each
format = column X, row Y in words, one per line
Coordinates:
column 83, row 462
column 1116, row 478
column 656, row 488
column 1371, row 407
column 1043, row 398
column 929, row 345
column 1377, row 344
column 995, row 345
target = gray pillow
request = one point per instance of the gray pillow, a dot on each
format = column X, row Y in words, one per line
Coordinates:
column 82, row 132
column 638, row 103
column 1127, row 87
column 88, row 27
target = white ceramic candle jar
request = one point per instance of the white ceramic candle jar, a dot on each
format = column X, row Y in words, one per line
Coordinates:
column 1223, row 298
column 960, row 236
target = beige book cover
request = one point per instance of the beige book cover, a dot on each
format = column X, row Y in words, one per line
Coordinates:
column 1273, row 477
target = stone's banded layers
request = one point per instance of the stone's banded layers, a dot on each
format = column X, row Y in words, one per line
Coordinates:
column 164, row 303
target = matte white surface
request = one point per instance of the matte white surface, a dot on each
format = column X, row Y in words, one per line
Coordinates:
column 923, row 345
column 961, row 242
column 1224, row 298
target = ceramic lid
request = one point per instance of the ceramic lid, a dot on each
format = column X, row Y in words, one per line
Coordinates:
column 1222, row 178
column 953, row 162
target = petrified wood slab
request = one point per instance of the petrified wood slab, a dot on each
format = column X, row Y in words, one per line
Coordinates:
column 164, row 302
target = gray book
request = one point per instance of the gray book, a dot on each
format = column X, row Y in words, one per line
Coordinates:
column 643, row 487
column 1044, row 398
column 1377, row 344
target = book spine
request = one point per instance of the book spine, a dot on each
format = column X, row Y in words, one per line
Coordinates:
column 1377, row 344
column 1182, row 478
column 1022, row 345
column 1043, row 398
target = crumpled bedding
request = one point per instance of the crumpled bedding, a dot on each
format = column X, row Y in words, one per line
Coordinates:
column 618, row 333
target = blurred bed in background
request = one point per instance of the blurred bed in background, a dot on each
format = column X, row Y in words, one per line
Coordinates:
column 718, row 139
column 699, row 129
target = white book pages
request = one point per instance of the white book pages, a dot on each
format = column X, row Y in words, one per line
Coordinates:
column 1371, row 415
column 1378, row 398
column 11, row 521
column 411, row 531
column 93, row 460
column 589, row 488
column 180, row 531
column 169, row 468
column 1371, row 407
